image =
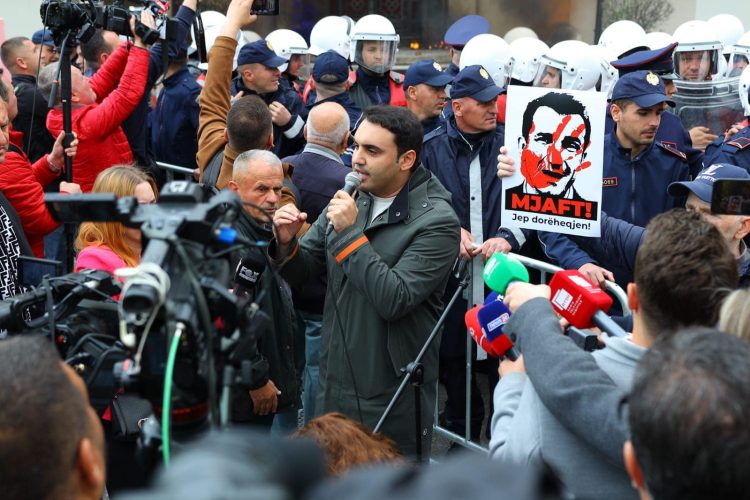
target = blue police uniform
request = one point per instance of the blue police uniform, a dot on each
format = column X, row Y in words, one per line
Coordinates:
column 430, row 73
column 634, row 189
column 734, row 151
column 449, row 153
column 367, row 90
column 288, row 139
column 452, row 70
column 346, row 102
column 671, row 130
column 174, row 120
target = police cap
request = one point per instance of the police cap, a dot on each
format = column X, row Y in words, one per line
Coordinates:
column 330, row 67
column 475, row 82
column 642, row 87
column 259, row 52
column 658, row 61
column 464, row 29
column 428, row 72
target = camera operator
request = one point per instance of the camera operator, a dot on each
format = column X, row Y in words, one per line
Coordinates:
column 23, row 183
column 257, row 178
column 52, row 444
column 100, row 105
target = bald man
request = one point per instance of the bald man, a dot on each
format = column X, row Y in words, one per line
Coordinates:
column 318, row 173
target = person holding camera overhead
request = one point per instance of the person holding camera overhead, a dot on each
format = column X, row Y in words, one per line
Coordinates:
column 108, row 246
column 99, row 108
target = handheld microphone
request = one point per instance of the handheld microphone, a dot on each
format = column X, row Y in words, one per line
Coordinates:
column 351, row 184
column 582, row 303
column 249, row 271
column 492, row 318
column 501, row 270
column 498, row 347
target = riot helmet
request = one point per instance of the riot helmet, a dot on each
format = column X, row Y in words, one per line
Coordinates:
column 739, row 56
column 331, row 33
column 570, row 64
column 527, row 53
column 623, row 37
column 491, row 52
column 696, row 57
column 374, row 44
column 291, row 46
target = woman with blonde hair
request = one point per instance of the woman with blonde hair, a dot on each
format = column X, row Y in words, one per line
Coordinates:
column 110, row 245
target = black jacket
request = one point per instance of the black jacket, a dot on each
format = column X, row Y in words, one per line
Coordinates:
column 37, row 142
column 283, row 346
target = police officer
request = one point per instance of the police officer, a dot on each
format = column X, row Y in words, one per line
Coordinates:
column 637, row 171
column 462, row 156
column 329, row 33
column 330, row 81
column 671, row 131
column 424, row 87
column 459, row 33
column 736, row 149
column 374, row 43
column 174, row 119
column 291, row 46
column 258, row 73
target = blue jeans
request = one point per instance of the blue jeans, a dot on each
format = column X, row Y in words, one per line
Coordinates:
column 313, row 326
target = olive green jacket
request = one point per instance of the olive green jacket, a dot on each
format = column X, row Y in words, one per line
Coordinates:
column 385, row 285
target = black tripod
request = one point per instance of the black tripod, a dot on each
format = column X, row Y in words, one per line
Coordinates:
column 415, row 370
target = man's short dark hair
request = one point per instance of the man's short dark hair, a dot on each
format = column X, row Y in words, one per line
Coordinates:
column 9, row 50
column 401, row 123
column 249, row 124
column 683, row 270
column 95, row 46
column 4, row 94
column 564, row 104
column 43, row 417
column 690, row 416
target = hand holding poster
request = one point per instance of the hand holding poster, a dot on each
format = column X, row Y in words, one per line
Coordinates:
column 556, row 140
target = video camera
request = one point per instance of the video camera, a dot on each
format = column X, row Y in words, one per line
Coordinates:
column 84, row 17
column 173, row 327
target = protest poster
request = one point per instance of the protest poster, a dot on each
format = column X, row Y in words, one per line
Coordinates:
column 556, row 140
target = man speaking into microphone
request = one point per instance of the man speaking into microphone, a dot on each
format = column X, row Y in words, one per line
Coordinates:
column 387, row 253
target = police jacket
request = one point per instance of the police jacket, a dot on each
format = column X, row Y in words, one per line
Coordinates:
column 671, row 132
column 135, row 126
column 634, row 190
column 448, row 153
column 37, row 142
column 283, row 345
column 734, row 151
column 354, row 111
column 174, row 120
column 386, row 278
column 367, row 90
column 288, row 139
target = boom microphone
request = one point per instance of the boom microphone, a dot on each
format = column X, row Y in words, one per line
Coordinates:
column 580, row 302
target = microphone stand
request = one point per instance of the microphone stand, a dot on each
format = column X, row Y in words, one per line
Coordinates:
column 414, row 371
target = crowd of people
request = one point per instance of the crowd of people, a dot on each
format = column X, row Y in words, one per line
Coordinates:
column 364, row 268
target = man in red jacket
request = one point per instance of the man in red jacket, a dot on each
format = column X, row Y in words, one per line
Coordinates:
column 100, row 105
column 23, row 183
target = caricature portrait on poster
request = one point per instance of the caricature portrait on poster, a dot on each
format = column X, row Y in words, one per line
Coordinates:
column 557, row 138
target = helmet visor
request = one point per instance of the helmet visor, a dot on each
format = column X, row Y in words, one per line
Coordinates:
column 548, row 77
column 378, row 56
column 737, row 63
column 695, row 65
